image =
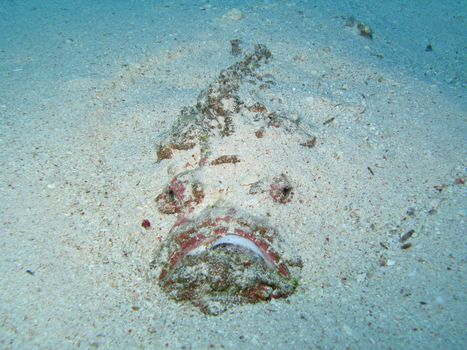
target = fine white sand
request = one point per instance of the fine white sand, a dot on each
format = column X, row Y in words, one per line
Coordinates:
column 87, row 91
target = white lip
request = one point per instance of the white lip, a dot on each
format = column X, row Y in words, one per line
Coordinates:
column 241, row 242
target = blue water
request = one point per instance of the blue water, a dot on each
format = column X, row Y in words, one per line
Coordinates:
column 66, row 38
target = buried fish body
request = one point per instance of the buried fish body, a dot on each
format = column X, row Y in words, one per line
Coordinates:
column 221, row 252
column 224, row 257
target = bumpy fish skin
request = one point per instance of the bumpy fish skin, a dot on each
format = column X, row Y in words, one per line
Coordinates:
column 218, row 255
column 214, row 276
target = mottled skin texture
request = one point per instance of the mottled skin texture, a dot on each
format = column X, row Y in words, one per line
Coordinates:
column 214, row 278
column 217, row 277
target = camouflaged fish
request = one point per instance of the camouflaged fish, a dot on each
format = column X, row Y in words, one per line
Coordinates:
column 222, row 252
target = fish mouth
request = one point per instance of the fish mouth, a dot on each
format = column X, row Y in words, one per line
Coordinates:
column 239, row 242
column 223, row 258
column 225, row 229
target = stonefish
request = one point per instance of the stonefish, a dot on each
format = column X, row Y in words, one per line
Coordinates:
column 222, row 154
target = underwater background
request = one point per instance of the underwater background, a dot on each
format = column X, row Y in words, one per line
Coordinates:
column 333, row 133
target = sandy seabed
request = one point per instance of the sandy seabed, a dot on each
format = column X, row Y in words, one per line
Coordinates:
column 88, row 91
